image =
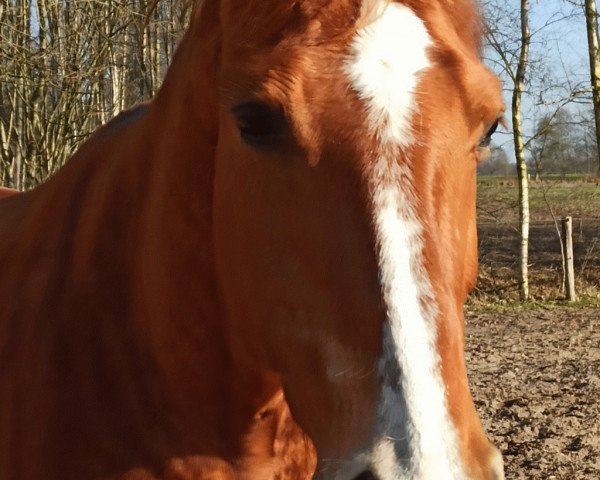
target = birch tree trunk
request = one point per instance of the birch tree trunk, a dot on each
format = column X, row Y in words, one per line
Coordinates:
column 591, row 19
column 520, row 152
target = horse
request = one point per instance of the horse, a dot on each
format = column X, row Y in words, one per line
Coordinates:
column 261, row 273
column 7, row 192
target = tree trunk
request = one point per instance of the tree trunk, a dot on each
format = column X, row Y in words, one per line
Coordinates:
column 591, row 18
column 520, row 153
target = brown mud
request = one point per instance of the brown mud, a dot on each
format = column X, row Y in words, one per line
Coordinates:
column 535, row 377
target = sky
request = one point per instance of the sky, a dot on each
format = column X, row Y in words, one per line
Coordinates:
column 559, row 46
column 567, row 38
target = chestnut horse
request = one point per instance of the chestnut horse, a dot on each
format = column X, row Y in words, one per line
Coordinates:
column 261, row 273
column 7, row 192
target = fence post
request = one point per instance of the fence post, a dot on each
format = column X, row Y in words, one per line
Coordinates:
column 567, row 239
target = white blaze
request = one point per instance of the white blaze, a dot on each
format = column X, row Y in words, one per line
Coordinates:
column 415, row 437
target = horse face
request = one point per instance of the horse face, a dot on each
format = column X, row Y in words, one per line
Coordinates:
column 344, row 223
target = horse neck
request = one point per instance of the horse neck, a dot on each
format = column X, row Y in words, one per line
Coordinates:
column 177, row 292
column 176, row 297
column 126, row 230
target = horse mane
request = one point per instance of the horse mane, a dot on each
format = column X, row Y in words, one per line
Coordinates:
column 464, row 15
column 196, row 6
column 464, row 18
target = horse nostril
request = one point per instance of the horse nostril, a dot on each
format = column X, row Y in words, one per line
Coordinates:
column 366, row 475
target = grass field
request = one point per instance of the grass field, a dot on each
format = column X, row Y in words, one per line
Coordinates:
column 550, row 200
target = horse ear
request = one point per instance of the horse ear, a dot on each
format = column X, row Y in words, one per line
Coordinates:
column 186, row 110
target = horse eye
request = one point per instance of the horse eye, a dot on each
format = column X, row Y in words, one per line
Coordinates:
column 260, row 125
column 487, row 139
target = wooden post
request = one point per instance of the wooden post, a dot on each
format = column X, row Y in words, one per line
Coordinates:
column 567, row 231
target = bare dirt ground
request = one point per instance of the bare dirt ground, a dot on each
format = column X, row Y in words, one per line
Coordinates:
column 535, row 377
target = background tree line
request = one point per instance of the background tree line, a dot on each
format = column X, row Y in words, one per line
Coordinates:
column 68, row 66
column 561, row 143
column 552, row 108
column 525, row 47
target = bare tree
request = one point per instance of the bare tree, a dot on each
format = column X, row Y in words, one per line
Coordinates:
column 513, row 59
column 561, row 144
column 520, row 152
column 68, row 67
column 591, row 18
column 497, row 164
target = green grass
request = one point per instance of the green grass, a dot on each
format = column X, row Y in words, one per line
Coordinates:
column 578, row 200
column 498, row 201
column 569, row 177
column 498, row 216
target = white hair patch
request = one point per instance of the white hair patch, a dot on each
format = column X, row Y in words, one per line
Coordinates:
column 415, row 437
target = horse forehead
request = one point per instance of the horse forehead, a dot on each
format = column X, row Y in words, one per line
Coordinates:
column 259, row 23
column 289, row 10
column 264, row 32
column 267, row 16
